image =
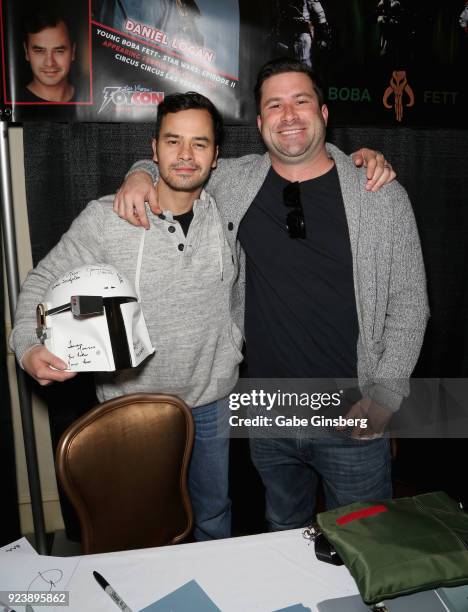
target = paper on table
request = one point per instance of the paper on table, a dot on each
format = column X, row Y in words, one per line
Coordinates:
column 20, row 546
column 189, row 596
column 33, row 572
column 274, row 569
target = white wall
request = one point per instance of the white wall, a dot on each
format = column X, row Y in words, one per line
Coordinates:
column 52, row 513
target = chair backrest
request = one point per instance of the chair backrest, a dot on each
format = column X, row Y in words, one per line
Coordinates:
column 123, row 466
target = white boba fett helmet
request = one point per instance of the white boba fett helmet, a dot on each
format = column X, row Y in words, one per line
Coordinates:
column 92, row 319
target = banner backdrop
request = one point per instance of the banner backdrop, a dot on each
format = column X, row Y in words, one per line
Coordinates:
column 384, row 62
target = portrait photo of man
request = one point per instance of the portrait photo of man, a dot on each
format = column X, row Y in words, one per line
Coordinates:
column 47, row 53
column 50, row 50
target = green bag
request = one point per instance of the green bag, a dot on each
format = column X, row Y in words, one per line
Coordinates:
column 400, row 546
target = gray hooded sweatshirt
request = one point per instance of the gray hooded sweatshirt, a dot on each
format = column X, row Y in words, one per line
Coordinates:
column 185, row 287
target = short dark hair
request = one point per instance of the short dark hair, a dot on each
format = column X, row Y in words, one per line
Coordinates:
column 41, row 19
column 280, row 66
column 174, row 103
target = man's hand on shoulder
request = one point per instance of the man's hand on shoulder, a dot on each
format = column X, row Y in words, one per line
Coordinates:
column 379, row 170
column 129, row 201
column 44, row 366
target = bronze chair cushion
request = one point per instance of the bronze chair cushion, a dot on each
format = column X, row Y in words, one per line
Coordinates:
column 123, row 466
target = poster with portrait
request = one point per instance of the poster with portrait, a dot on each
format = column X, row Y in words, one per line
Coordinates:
column 381, row 62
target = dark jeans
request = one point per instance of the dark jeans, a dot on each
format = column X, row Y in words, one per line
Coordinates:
column 208, row 480
column 352, row 470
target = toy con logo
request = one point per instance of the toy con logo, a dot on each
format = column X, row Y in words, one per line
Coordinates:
column 128, row 96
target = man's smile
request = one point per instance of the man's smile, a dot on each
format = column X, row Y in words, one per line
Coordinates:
column 185, row 169
column 290, row 131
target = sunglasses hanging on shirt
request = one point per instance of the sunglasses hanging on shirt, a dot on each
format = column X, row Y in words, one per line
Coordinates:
column 295, row 218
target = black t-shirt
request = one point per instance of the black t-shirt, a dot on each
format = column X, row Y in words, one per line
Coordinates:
column 30, row 106
column 301, row 319
column 185, row 219
column 26, row 95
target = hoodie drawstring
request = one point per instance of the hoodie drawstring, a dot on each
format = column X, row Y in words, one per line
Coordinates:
column 139, row 261
column 219, row 234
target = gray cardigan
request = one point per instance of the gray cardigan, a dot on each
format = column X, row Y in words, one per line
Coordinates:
column 388, row 270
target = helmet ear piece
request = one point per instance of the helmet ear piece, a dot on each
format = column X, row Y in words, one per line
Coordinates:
column 81, row 321
column 138, row 338
column 41, row 326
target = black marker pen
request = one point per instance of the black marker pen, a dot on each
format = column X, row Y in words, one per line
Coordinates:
column 102, row 582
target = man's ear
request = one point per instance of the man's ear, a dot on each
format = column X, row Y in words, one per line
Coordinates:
column 259, row 123
column 26, row 54
column 154, row 144
column 325, row 113
column 215, row 158
column 73, row 51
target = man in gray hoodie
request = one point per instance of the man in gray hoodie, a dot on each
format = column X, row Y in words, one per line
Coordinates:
column 334, row 287
column 185, row 281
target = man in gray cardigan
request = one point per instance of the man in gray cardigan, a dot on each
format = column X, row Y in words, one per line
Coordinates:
column 334, row 285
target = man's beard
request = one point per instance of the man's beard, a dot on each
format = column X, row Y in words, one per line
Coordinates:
column 184, row 183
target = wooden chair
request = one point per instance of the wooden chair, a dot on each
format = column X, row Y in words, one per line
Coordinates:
column 123, row 465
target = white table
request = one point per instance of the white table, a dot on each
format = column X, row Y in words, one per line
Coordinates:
column 254, row 573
